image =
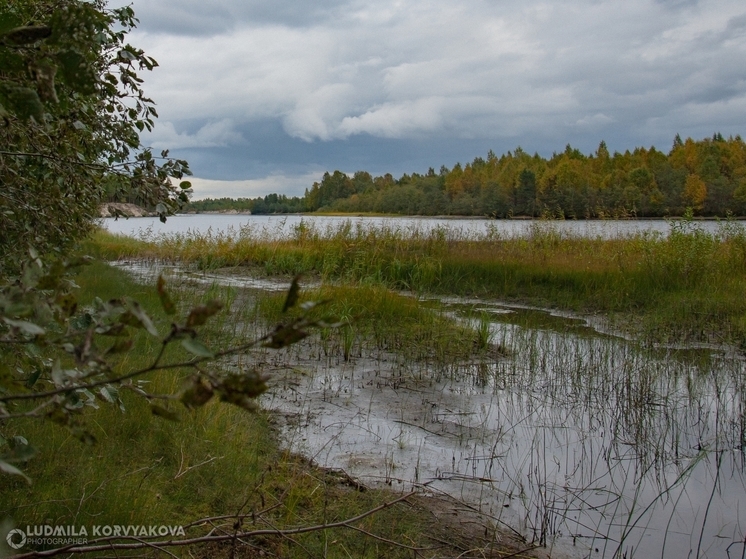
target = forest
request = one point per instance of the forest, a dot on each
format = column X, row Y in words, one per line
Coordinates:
column 708, row 176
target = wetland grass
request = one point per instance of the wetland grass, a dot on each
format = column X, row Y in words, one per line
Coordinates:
column 375, row 316
column 217, row 460
column 619, row 445
column 687, row 285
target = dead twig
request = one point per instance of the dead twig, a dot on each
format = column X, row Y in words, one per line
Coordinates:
column 107, row 544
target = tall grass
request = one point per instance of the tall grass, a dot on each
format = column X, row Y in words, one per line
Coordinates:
column 662, row 417
column 687, row 284
column 373, row 316
column 217, row 460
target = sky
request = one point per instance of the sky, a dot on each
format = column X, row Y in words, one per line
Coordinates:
column 265, row 96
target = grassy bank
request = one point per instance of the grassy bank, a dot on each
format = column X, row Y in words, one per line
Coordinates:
column 687, row 285
column 372, row 316
column 217, row 460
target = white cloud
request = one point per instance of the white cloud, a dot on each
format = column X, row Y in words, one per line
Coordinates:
column 280, row 184
column 395, row 120
column 595, row 121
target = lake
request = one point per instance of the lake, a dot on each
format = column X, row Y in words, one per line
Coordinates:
column 279, row 225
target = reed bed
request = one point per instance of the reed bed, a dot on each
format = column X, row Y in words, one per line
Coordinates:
column 588, row 438
column 588, row 444
column 689, row 284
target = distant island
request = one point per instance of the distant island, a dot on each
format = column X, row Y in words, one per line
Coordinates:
column 708, row 176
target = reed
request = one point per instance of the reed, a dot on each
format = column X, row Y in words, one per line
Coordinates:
column 373, row 316
column 689, row 284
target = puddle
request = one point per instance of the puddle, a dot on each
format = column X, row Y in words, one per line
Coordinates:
column 146, row 272
column 588, row 443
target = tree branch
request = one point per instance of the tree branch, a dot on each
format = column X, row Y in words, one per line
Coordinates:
column 192, row 363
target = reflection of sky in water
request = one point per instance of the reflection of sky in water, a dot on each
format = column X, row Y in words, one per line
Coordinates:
column 278, row 225
column 577, row 438
column 146, row 272
column 580, row 437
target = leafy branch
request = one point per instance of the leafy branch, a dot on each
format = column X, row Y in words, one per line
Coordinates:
column 71, row 112
column 65, row 362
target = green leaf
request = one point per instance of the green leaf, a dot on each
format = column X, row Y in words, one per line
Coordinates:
column 77, row 72
column 12, row 470
column 141, row 318
column 8, row 21
column 20, row 451
column 105, row 394
column 24, row 103
column 28, row 328
column 185, row 185
column 11, row 62
column 127, row 56
column 18, row 309
column 33, row 377
column 196, row 347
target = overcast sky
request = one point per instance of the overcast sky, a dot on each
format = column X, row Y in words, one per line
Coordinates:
column 270, row 94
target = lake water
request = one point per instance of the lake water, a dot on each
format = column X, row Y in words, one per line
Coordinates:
column 279, row 225
column 589, row 444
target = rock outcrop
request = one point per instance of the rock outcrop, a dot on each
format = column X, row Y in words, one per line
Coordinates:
column 129, row 210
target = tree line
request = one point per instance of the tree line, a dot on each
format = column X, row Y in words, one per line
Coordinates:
column 269, row 204
column 708, row 176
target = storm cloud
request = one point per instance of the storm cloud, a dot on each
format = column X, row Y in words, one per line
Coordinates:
column 400, row 86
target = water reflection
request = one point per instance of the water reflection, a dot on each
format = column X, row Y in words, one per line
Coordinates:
column 590, row 444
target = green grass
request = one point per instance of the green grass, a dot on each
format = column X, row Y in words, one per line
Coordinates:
column 374, row 316
column 218, row 460
column 688, row 285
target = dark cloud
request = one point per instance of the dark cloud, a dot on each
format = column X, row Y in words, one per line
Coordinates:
column 677, row 4
column 268, row 150
column 253, row 89
column 197, row 17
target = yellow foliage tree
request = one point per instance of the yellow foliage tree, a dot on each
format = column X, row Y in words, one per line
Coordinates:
column 695, row 191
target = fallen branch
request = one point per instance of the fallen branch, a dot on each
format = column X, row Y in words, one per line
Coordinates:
column 107, row 544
